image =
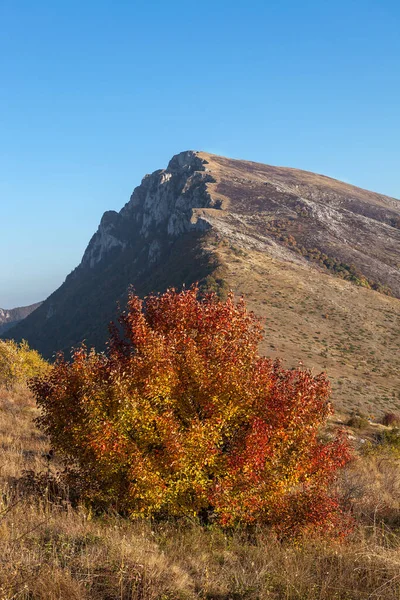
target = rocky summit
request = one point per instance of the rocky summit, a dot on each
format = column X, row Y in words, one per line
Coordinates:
column 316, row 258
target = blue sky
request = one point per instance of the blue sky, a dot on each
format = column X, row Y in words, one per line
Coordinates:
column 95, row 94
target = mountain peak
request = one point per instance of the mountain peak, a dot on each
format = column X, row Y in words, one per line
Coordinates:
column 189, row 160
column 159, row 210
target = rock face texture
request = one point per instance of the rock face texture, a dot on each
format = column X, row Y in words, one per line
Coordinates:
column 10, row 318
column 309, row 252
column 159, row 211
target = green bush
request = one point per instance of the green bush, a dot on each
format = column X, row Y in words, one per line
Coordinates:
column 389, row 440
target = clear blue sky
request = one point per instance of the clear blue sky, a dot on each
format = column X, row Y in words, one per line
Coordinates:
column 94, row 94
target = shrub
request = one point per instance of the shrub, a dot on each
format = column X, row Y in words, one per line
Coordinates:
column 18, row 363
column 389, row 440
column 182, row 417
column 358, row 422
column 391, row 419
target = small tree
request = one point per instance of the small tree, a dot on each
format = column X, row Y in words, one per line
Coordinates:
column 181, row 416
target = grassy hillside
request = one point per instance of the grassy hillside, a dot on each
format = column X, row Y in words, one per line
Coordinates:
column 54, row 549
column 329, row 324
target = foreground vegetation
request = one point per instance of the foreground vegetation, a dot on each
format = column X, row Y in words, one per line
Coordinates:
column 57, row 542
column 54, row 549
column 183, row 417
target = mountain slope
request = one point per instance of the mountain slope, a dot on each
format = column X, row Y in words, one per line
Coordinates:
column 10, row 318
column 318, row 259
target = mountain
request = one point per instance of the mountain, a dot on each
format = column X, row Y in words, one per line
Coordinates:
column 316, row 258
column 9, row 318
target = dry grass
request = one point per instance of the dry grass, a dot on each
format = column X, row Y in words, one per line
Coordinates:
column 329, row 324
column 52, row 551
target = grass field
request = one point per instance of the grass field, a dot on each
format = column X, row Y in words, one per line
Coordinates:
column 50, row 549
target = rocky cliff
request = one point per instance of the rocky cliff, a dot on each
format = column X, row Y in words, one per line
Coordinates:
column 159, row 211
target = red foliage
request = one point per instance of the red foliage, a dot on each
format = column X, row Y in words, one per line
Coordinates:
column 182, row 416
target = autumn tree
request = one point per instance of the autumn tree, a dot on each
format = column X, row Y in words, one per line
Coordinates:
column 181, row 416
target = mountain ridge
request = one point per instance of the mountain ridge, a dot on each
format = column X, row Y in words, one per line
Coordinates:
column 10, row 317
column 228, row 224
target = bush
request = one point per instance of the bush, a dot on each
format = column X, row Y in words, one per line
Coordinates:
column 391, row 419
column 358, row 421
column 389, row 440
column 18, row 363
column 183, row 417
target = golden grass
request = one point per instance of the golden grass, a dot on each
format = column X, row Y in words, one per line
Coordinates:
column 329, row 324
column 52, row 551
